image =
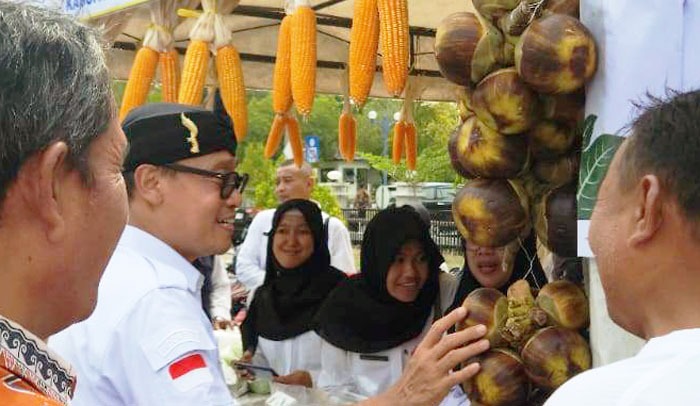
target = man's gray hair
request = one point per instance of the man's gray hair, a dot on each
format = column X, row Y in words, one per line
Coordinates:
column 54, row 86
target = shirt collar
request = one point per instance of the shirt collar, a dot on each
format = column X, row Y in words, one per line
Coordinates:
column 28, row 357
column 150, row 246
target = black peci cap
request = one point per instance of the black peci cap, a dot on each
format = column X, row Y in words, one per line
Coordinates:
column 162, row 133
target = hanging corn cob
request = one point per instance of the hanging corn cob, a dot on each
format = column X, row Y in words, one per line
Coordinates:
column 294, row 136
column 274, row 138
column 196, row 64
column 397, row 145
column 346, row 124
column 364, row 40
column 230, row 75
column 281, row 87
column 303, row 58
column 411, row 136
column 169, row 64
column 142, row 72
column 282, row 82
column 394, row 28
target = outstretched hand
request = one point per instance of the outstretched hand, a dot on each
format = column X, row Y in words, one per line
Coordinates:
column 428, row 376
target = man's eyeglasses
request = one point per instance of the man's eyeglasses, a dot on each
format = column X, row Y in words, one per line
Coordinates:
column 230, row 181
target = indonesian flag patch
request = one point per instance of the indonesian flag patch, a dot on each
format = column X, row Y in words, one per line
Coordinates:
column 189, row 372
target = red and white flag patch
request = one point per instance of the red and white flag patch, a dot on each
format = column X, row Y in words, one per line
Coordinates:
column 189, row 372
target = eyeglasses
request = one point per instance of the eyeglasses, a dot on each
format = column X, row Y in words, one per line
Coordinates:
column 230, row 181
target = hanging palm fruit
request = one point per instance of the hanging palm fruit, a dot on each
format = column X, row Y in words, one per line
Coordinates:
column 303, row 57
column 196, row 64
column 230, row 75
column 364, row 41
column 394, row 28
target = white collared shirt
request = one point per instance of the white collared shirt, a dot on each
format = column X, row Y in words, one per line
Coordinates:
column 665, row 372
column 148, row 342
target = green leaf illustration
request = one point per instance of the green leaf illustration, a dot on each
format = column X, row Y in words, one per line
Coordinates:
column 595, row 160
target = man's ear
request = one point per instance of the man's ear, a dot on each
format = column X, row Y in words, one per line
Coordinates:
column 43, row 183
column 148, row 184
column 648, row 210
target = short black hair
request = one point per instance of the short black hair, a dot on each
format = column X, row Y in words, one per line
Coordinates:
column 665, row 140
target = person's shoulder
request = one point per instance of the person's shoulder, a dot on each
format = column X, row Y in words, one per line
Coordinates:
column 602, row 385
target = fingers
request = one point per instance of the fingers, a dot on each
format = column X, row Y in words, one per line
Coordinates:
column 463, row 374
column 440, row 327
column 458, row 339
column 460, row 355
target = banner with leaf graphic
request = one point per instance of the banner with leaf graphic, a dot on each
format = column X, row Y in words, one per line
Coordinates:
column 645, row 46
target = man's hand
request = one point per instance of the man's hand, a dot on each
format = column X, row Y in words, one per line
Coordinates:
column 428, row 378
column 242, row 372
column 302, row 378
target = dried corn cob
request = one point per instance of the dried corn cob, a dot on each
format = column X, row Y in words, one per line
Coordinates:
column 230, row 74
column 282, row 80
column 140, row 78
column 275, row 136
column 194, row 73
column 169, row 64
column 346, row 135
column 393, row 24
column 294, row 135
column 364, row 40
column 397, row 146
column 303, row 59
column 411, row 145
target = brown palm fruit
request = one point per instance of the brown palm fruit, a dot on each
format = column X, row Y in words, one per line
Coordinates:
column 505, row 103
column 489, row 307
column 479, row 151
column 501, row 380
column 555, row 220
column 556, row 54
column 554, row 355
column 557, row 172
column 550, row 139
column 565, row 304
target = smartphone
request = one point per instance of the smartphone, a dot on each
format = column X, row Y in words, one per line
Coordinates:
column 257, row 370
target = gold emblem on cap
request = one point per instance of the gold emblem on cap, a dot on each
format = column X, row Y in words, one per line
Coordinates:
column 192, row 139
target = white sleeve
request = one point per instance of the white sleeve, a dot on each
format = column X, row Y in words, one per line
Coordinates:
column 340, row 246
column 220, row 304
column 166, row 356
column 249, row 266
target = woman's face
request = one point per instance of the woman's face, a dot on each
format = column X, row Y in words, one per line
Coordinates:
column 408, row 273
column 489, row 266
column 293, row 242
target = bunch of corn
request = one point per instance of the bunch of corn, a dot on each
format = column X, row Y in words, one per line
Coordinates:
column 140, row 77
column 405, row 135
column 347, row 133
column 303, row 57
column 393, row 23
column 230, row 75
column 364, row 41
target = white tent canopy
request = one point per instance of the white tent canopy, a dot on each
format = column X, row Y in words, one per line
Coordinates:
column 255, row 24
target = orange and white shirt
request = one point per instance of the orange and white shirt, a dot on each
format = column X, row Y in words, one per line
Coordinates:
column 30, row 374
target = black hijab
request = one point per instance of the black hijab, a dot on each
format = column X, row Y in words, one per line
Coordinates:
column 521, row 265
column 286, row 303
column 360, row 315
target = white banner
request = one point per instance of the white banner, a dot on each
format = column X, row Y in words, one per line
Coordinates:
column 644, row 46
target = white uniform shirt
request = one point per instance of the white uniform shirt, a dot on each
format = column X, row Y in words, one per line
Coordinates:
column 665, row 372
column 252, row 256
column 286, row 356
column 148, row 342
column 371, row 374
column 220, row 297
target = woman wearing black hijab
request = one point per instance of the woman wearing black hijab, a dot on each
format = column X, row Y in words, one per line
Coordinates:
column 298, row 278
column 371, row 324
column 498, row 268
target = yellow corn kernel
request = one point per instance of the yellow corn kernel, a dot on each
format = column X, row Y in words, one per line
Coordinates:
column 411, row 143
column 275, row 136
column 397, row 145
column 303, row 59
column 169, row 64
column 282, row 79
column 230, row 74
column 364, row 40
column 394, row 28
column 294, row 135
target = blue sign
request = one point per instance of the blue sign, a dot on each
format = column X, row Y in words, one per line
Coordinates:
column 312, row 148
